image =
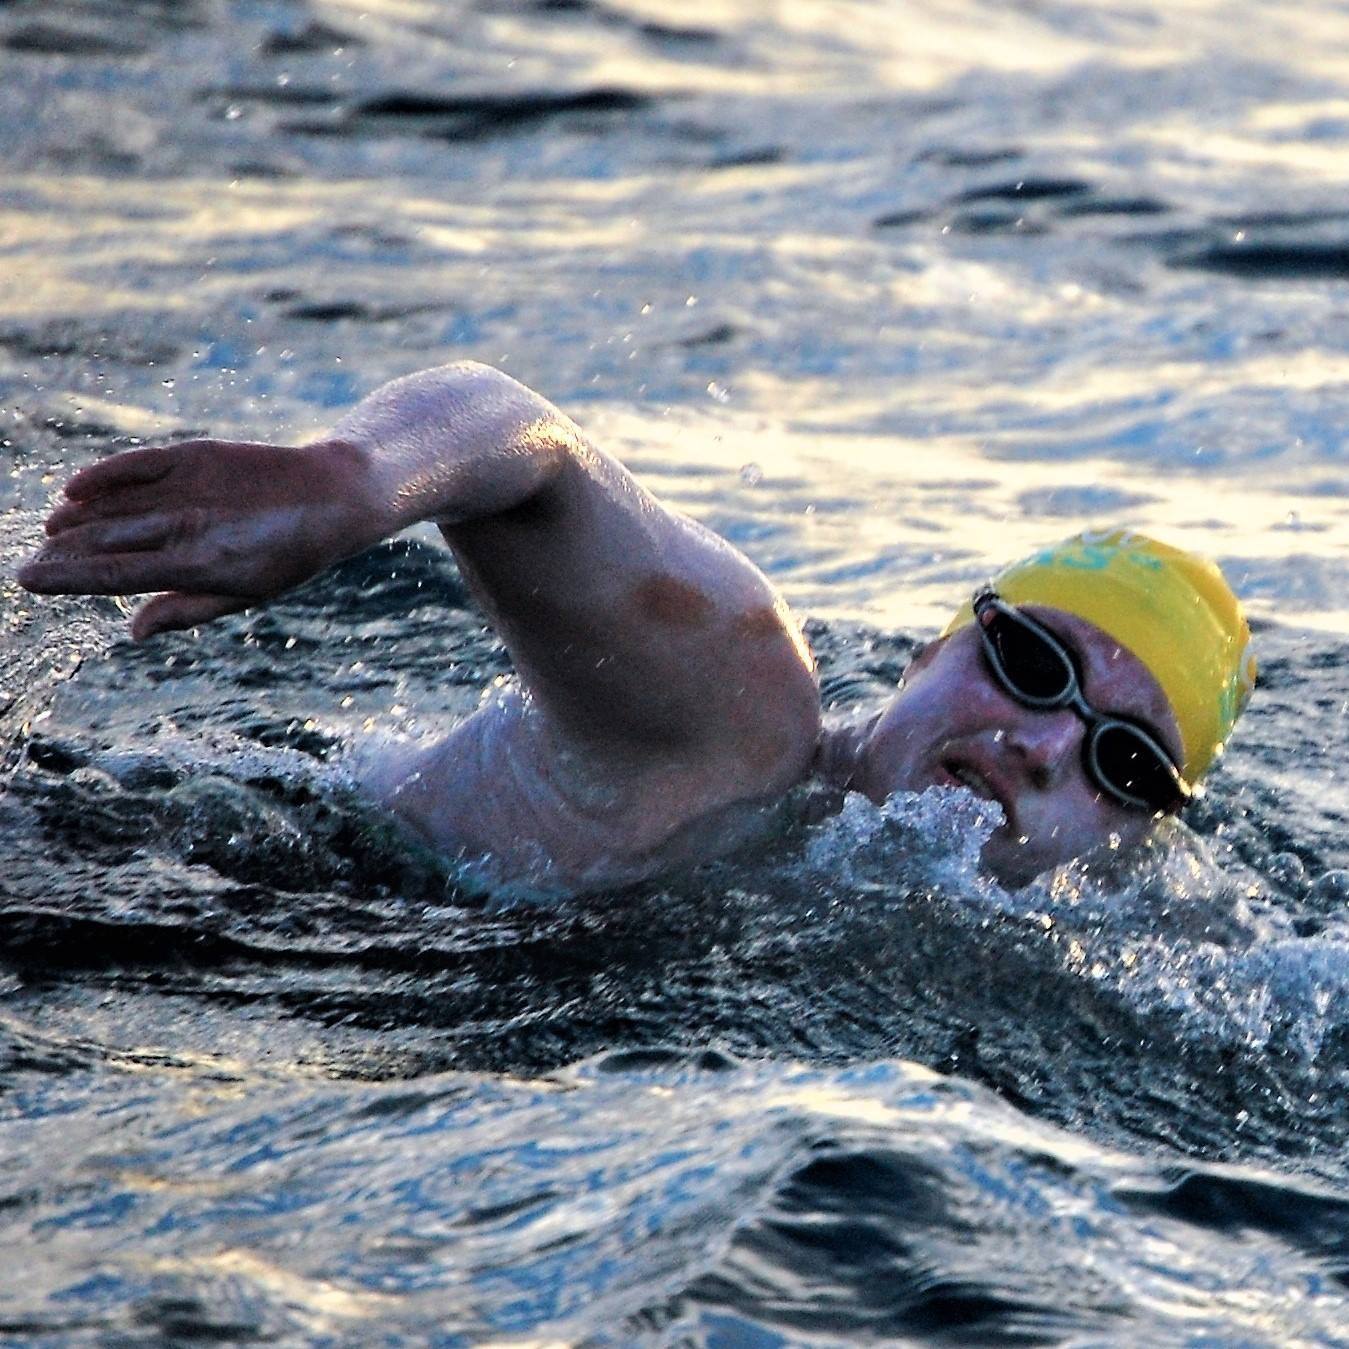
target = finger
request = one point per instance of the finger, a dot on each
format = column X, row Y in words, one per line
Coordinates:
column 123, row 470
column 171, row 611
column 132, row 534
column 116, row 501
column 66, row 514
column 101, row 574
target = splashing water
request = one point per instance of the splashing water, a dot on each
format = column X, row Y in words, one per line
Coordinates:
column 885, row 297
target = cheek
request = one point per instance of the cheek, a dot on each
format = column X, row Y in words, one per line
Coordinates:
column 1132, row 828
column 954, row 694
column 1088, row 821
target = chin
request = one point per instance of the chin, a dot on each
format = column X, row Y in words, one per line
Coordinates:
column 1014, row 865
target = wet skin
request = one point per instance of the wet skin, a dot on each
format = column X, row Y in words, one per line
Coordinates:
column 953, row 724
column 665, row 687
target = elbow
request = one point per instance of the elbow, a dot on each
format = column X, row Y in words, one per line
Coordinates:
column 457, row 443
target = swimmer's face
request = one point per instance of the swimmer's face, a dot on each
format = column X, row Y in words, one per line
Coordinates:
column 952, row 724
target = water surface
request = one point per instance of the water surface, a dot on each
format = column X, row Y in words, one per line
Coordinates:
column 886, row 294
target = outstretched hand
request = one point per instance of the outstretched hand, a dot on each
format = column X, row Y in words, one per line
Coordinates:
column 214, row 525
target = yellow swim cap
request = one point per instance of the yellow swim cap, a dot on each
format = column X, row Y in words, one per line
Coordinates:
column 1171, row 609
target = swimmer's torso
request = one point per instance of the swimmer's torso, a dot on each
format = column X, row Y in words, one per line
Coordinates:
column 511, row 793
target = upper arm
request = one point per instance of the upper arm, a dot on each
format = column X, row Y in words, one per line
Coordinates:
column 633, row 625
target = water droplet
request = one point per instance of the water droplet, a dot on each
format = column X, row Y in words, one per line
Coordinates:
column 751, row 475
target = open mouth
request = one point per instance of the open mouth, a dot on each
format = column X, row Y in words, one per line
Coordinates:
column 975, row 781
column 963, row 774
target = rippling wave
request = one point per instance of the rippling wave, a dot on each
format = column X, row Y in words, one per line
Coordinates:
column 885, row 294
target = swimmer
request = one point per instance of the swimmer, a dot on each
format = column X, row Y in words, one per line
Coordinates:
column 665, row 691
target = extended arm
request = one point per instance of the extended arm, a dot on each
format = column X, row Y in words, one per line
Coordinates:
column 221, row 525
column 628, row 622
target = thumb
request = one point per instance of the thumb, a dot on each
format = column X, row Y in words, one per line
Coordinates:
column 172, row 610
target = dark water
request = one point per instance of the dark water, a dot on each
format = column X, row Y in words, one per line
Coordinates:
column 884, row 293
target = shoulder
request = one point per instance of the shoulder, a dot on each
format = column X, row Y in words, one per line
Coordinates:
column 841, row 744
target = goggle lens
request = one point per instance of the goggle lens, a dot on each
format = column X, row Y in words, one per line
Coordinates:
column 1038, row 670
column 1128, row 764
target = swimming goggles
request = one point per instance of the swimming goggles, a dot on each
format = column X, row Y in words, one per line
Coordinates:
column 1121, row 757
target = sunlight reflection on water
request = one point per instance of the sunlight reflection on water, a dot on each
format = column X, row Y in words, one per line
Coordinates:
column 886, row 294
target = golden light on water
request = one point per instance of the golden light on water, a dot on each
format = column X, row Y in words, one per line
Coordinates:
column 964, row 460
column 885, row 293
column 948, row 497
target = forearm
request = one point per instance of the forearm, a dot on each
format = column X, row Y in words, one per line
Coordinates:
column 455, row 444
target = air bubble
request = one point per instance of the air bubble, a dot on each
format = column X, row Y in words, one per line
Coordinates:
column 1331, row 889
column 1286, row 870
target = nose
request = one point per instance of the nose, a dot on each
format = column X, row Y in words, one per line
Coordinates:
column 1046, row 742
